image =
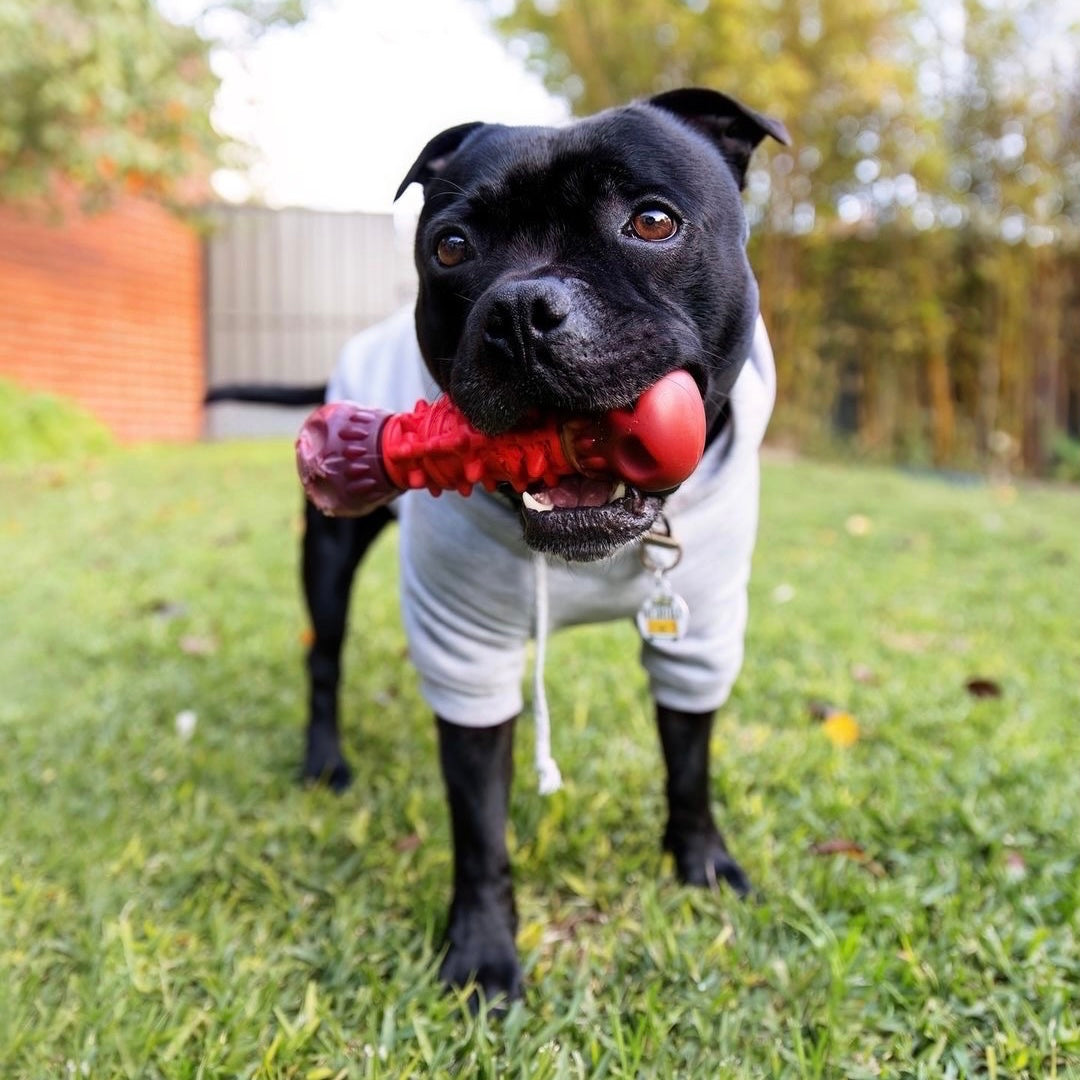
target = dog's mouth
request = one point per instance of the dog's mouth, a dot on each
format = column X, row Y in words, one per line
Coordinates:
column 627, row 461
column 585, row 518
column 574, row 493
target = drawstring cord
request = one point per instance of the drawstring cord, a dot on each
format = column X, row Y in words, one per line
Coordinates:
column 547, row 769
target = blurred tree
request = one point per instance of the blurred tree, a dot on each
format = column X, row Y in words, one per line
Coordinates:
column 839, row 74
column 1006, row 88
column 901, row 110
column 1004, row 82
column 109, row 96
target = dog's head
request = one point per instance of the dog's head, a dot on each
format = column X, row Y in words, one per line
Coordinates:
column 568, row 269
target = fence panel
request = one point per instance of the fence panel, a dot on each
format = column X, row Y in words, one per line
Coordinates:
column 284, row 290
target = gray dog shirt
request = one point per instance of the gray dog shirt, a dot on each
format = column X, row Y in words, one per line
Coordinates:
column 471, row 589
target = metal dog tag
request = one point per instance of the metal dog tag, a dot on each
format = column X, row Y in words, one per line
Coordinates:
column 664, row 616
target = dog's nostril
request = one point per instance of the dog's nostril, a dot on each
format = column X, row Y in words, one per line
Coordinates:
column 500, row 324
column 524, row 314
column 548, row 311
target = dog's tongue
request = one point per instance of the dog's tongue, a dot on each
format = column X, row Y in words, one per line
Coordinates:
column 572, row 491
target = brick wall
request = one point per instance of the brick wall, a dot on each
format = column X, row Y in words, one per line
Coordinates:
column 107, row 309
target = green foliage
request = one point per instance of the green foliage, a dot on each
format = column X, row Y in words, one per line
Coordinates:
column 1011, row 119
column 1066, row 458
column 812, row 66
column 108, row 95
column 175, row 906
column 943, row 347
column 36, row 427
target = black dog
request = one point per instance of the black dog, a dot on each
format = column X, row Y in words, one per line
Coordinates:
column 560, row 270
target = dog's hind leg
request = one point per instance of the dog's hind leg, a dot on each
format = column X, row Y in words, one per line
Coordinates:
column 691, row 835
column 477, row 766
column 332, row 550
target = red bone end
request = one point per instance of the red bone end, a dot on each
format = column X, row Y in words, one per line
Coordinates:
column 653, row 445
column 338, row 459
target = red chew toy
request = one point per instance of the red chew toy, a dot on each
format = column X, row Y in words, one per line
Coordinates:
column 352, row 459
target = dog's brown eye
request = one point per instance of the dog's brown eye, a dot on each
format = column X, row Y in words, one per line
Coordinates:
column 653, row 223
column 451, row 250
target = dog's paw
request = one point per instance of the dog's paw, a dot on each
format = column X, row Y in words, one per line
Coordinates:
column 704, row 860
column 481, row 951
column 326, row 767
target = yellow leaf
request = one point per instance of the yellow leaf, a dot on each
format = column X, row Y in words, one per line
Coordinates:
column 842, row 729
column 530, row 936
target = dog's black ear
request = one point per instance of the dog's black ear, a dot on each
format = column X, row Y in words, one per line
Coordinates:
column 734, row 128
column 433, row 157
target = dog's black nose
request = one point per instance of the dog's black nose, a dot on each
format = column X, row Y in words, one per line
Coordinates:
column 523, row 313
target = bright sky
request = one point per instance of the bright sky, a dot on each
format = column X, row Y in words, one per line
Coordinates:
column 340, row 107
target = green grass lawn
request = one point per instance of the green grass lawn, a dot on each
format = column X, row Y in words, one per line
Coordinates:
column 173, row 903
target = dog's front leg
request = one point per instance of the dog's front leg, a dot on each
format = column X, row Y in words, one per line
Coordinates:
column 477, row 765
column 691, row 835
column 332, row 550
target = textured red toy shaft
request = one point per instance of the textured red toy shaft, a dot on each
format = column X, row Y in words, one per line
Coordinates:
column 435, row 447
column 353, row 459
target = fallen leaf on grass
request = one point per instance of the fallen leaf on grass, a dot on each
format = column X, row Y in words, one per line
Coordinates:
column 840, row 727
column 839, row 846
column 166, row 610
column 566, row 928
column 983, row 688
column 54, row 476
column 186, row 720
column 407, row 844
column 850, row 850
column 194, row 645
column 229, row 539
column 1015, row 865
column 907, row 642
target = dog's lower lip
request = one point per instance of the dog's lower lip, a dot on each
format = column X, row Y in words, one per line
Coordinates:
column 588, row 533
